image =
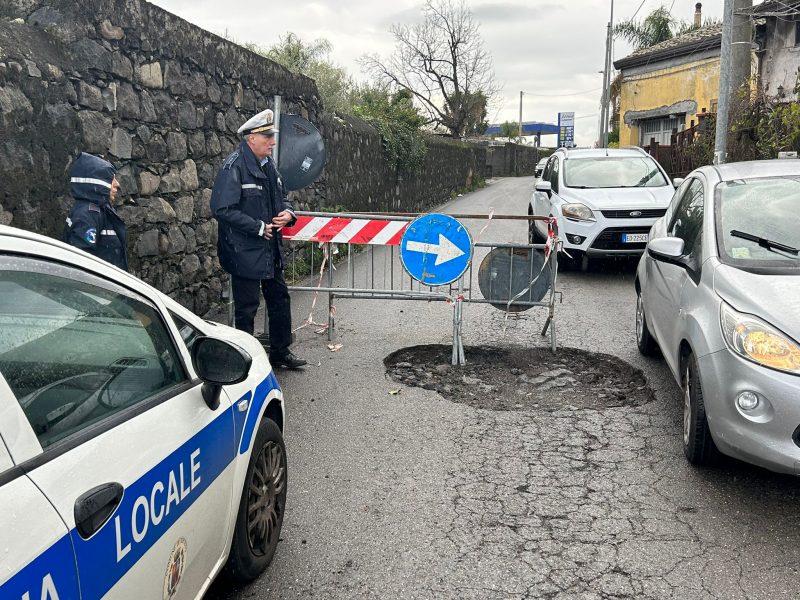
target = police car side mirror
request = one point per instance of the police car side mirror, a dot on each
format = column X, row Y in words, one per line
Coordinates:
column 219, row 363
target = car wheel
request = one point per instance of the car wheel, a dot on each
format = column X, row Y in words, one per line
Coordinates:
column 534, row 237
column 647, row 345
column 698, row 445
column 565, row 263
column 261, row 508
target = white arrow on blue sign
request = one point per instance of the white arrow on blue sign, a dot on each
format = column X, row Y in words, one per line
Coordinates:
column 436, row 249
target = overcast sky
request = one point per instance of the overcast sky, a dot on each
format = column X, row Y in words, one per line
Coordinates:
column 550, row 49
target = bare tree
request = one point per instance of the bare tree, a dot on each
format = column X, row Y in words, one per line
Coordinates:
column 443, row 63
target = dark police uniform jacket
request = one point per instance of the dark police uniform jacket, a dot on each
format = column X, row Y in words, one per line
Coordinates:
column 246, row 195
column 93, row 225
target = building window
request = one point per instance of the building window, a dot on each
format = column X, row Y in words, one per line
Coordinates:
column 796, row 34
column 660, row 129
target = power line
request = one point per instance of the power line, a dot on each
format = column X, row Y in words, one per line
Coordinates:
column 637, row 10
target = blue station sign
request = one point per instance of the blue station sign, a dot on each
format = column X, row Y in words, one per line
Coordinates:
column 436, row 249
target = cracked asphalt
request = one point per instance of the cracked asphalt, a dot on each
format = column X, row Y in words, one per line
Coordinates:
column 412, row 495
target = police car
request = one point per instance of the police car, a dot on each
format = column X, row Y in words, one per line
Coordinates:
column 141, row 447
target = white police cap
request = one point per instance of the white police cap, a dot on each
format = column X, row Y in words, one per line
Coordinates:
column 263, row 122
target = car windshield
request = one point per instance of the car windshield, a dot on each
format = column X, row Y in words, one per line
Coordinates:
column 758, row 221
column 612, row 172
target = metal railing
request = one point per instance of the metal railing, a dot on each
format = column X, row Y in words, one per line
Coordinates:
column 375, row 272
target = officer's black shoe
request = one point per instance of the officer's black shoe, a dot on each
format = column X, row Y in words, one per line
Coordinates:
column 288, row 360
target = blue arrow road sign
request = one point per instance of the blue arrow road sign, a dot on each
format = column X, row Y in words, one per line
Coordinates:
column 436, row 249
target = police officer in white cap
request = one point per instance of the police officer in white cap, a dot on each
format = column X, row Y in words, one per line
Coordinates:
column 251, row 207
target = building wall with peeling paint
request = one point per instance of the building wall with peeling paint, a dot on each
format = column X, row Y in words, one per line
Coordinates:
column 780, row 62
column 688, row 88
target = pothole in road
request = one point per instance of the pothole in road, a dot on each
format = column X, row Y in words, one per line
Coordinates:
column 522, row 378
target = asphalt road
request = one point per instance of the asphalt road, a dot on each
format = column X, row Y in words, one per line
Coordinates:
column 413, row 496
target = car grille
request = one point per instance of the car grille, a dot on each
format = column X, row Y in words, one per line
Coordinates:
column 646, row 213
column 611, row 239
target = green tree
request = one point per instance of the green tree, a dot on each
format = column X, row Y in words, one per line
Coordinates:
column 659, row 26
column 398, row 122
column 656, row 27
column 336, row 87
column 509, row 129
column 443, row 63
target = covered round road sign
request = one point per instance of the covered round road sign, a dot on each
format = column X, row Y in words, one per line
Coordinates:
column 301, row 155
column 436, row 249
column 506, row 272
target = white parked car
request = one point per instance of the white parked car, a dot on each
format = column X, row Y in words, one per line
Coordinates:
column 718, row 291
column 539, row 168
column 604, row 201
column 141, row 447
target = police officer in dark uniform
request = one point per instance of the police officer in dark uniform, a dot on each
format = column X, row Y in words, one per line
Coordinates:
column 93, row 225
column 251, row 207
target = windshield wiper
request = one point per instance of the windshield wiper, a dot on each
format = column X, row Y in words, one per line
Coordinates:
column 764, row 242
column 645, row 179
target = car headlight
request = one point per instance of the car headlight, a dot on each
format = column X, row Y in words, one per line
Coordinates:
column 759, row 342
column 577, row 212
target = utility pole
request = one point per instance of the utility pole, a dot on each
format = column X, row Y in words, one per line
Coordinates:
column 734, row 67
column 520, row 117
column 604, row 108
column 741, row 46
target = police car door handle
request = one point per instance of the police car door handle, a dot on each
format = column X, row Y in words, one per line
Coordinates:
column 95, row 507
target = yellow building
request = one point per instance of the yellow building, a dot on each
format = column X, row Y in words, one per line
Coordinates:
column 665, row 87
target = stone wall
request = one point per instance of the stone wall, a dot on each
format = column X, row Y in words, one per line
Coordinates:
column 162, row 100
column 511, row 160
column 357, row 176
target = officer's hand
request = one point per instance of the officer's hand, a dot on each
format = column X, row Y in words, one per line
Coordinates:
column 268, row 231
column 282, row 220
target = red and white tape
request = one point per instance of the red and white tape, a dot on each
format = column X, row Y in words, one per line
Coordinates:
column 341, row 230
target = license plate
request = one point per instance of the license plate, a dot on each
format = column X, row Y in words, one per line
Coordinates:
column 632, row 238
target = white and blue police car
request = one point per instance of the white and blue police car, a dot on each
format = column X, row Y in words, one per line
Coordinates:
column 141, row 448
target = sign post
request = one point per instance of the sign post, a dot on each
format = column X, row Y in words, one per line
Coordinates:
column 436, row 250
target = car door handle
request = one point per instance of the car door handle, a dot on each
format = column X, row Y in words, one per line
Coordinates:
column 95, row 507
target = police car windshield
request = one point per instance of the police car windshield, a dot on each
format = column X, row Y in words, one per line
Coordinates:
column 612, row 172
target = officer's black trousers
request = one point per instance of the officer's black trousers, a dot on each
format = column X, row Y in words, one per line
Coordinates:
column 246, row 298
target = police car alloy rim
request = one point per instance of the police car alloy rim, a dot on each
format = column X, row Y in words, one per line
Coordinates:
column 265, row 505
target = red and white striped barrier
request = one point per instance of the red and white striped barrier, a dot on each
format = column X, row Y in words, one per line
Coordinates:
column 341, row 230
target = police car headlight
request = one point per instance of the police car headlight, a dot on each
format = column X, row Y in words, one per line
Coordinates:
column 757, row 341
column 577, row 212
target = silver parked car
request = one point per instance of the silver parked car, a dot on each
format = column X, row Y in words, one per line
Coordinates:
column 719, row 293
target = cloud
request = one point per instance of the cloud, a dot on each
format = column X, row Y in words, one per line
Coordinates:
column 507, row 12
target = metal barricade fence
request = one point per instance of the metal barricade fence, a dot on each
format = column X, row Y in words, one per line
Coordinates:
column 375, row 272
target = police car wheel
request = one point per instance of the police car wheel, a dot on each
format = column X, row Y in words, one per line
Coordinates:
column 260, row 517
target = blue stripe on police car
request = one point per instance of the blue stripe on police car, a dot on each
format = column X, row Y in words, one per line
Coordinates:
column 148, row 508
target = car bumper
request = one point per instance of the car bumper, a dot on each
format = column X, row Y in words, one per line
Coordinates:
column 765, row 435
column 604, row 237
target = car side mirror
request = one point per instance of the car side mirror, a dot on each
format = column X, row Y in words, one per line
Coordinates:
column 667, row 248
column 676, row 183
column 545, row 187
column 219, row 363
